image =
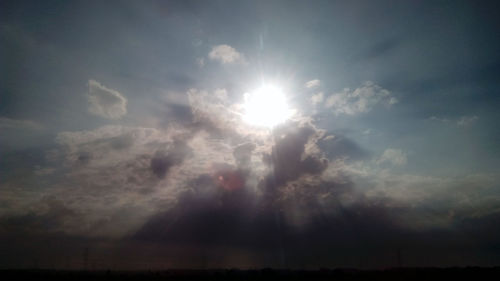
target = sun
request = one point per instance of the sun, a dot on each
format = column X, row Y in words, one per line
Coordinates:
column 266, row 107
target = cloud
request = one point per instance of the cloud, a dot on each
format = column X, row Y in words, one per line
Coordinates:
column 312, row 84
column 359, row 100
column 393, row 156
column 294, row 153
column 19, row 135
column 165, row 159
column 105, row 102
column 103, row 175
column 235, row 186
column 340, row 147
column 226, row 54
column 200, row 62
column 343, row 204
column 214, row 113
column 7, row 123
column 465, row 121
column 243, row 153
column 423, row 201
column 212, row 109
column 309, row 220
column 317, row 98
column 111, row 178
column 438, row 119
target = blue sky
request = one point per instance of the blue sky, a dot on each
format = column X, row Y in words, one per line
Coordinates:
column 122, row 124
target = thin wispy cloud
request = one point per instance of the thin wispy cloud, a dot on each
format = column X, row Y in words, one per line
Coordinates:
column 359, row 100
column 8, row 123
column 312, row 84
column 105, row 102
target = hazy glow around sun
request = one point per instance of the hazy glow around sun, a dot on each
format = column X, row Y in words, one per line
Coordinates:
column 266, row 107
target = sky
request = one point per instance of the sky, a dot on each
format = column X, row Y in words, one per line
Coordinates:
column 249, row 134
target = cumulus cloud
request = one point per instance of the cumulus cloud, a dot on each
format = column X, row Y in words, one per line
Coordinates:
column 166, row 158
column 295, row 153
column 322, row 203
column 8, row 123
column 393, row 156
column 213, row 112
column 312, row 84
column 226, row 54
column 423, row 202
column 230, row 183
column 110, row 179
column 243, row 153
column 105, row 102
column 106, row 173
column 359, row 100
column 211, row 108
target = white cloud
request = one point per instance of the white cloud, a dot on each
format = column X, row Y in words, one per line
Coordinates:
column 317, row 98
column 7, row 123
column 438, row 119
column 465, row 121
column 215, row 109
column 312, row 84
column 393, row 100
column 465, row 195
column 113, row 187
column 393, row 156
column 105, row 102
column 221, row 94
column 226, row 54
column 360, row 100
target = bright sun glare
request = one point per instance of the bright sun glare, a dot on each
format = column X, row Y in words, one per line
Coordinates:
column 266, row 107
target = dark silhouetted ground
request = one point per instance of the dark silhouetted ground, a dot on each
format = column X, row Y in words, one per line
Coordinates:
column 469, row 273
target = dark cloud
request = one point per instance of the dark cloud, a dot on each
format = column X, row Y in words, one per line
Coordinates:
column 84, row 157
column 243, row 153
column 365, row 233
column 208, row 214
column 163, row 160
column 484, row 229
column 221, row 210
column 340, row 146
column 289, row 158
column 48, row 218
